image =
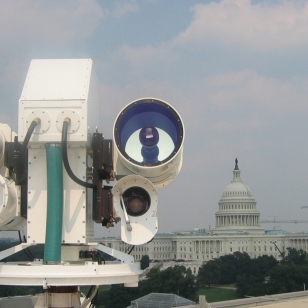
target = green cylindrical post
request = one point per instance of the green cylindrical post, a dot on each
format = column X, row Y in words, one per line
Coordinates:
column 53, row 239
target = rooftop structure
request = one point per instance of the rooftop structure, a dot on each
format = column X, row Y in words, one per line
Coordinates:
column 160, row 300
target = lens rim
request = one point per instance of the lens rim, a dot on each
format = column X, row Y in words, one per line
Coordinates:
column 147, row 105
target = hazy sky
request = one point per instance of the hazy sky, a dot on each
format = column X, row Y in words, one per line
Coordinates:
column 236, row 71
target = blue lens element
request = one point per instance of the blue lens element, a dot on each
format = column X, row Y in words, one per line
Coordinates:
column 149, row 136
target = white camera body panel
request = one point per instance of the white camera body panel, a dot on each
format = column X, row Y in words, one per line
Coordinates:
column 160, row 176
column 78, row 227
column 143, row 227
column 6, row 135
column 10, row 218
column 55, row 89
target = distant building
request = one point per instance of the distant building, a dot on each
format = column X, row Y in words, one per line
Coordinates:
column 160, row 300
column 237, row 229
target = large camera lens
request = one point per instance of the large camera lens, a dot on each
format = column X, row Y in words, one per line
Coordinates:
column 158, row 126
column 148, row 137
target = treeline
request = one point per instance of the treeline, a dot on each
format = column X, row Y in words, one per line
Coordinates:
column 259, row 276
column 290, row 275
column 227, row 269
column 177, row 280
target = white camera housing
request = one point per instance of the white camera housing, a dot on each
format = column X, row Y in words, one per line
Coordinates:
column 161, row 118
column 6, row 135
column 136, row 229
column 56, row 89
column 10, row 218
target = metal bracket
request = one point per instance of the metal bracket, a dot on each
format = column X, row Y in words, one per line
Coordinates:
column 10, row 251
column 123, row 257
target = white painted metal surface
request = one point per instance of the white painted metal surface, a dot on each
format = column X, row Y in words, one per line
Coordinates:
column 5, row 136
column 57, row 88
column 144, row 227
column 123, row 257
column 88, row 273
column 10, row 218
column 9, row 205
column 69, row 273
column 10, row 251
column 78, row 226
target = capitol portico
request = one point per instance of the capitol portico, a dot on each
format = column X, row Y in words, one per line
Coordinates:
column 237, row 229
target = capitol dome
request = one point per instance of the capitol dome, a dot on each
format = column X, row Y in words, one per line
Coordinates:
column 237, row 208
column 236, row 188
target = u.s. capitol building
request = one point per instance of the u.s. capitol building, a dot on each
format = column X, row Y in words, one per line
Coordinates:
column 237, row 229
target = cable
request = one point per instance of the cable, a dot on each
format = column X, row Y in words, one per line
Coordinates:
column 131, row 249
column 33, row 124
column 101, row 258
column 93, row 301
column 93, row 291
column 65, row 157
column 23, row 150
column 96, row 256
column 90, row 291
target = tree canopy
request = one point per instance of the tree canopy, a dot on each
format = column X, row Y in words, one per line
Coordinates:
column 176, row 280
column 144, row 262
column 209, row 273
